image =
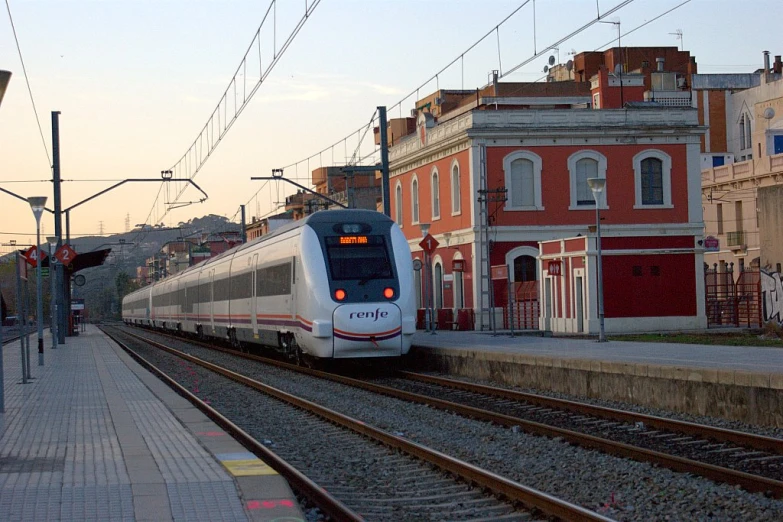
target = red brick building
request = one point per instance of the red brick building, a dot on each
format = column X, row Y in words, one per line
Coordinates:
column 496, row 171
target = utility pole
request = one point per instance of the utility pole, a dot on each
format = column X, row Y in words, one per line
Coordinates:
column 244, row 225
column 385, row 190
column 64, row 283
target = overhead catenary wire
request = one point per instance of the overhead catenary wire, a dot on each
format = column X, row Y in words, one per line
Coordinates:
column 27, row 81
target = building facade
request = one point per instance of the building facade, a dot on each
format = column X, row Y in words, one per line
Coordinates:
column 742, row 160
column 507, row 168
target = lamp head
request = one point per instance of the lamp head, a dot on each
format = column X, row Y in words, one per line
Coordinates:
column 596, row 185
column 425, row 228
column 5, row 77
column 37, row 203
column 52, row 240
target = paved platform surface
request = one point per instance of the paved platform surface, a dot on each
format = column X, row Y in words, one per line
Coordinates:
column 93, row 436
column 697, row 356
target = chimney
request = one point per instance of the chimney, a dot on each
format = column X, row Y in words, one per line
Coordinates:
column 766, row 62
column 659, row 62
column 778, row 66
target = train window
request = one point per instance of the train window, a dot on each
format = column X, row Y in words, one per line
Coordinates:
column 274, row 280
column 365, row 260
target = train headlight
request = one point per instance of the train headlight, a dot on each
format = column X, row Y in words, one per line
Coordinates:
column 339, row 294
column 388, row 292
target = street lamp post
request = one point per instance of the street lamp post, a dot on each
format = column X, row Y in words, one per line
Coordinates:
column 37, row 203
column 52, row 240
column 597, row 187
column 5, row 77
column 428, row 312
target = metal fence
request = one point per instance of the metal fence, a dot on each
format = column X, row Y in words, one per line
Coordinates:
column 730, row 302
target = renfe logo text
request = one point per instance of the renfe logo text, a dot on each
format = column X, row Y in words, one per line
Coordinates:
column 369, row 315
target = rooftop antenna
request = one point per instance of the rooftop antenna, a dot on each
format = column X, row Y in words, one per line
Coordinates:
column 678, row 34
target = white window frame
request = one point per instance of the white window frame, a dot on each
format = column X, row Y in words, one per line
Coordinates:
column 435, row 193
column 415, row 200
column 437, row 289
column 572, row 159
column 398, row 204
column 666, row 173
column 456, row 186
column 537, row 168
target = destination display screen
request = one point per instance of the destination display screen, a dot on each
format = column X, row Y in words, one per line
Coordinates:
column 353, row 240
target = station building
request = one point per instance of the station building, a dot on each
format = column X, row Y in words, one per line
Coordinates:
column 498, row 176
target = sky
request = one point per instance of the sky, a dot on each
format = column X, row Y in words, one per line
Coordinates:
column 136, row 81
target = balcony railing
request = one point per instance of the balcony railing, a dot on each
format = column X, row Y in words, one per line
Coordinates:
column 734, row 239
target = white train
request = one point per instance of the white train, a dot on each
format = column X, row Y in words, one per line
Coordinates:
column 335, row 285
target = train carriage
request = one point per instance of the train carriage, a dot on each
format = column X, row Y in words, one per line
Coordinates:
column 337, row 284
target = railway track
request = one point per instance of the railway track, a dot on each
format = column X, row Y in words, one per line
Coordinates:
column 751, row 461
column 378, row 475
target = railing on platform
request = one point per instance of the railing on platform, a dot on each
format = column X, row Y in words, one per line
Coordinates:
column 731, row 303
column 524, row 312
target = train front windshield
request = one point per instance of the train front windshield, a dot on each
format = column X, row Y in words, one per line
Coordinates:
column 358, row 257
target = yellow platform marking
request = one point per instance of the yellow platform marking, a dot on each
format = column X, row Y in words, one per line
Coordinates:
column 244, row 468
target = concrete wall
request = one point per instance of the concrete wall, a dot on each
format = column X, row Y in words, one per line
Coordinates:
column 770, row 205
column 736, row 395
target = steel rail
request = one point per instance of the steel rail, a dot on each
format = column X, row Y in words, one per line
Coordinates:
column 310, row 489
column 514, row 491
column 689, row 428
column 745, row 480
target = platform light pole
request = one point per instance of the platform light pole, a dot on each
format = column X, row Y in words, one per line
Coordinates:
column 53, row 240
column 5, row 77
column 37, row 203
column 597, row 187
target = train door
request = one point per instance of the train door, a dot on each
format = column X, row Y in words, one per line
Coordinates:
column 254, row 297
column 212, row 299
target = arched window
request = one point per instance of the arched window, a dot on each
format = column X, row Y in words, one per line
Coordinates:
column 525, row 269
column 459, row 287
column 398, row 204
column 522, row 172
column 415, row 200
column 652, row 181
column 435, row 194
column 748, row 130
column 582, row 166
column 586, row 168
column 438, row 282
column 652, row 178
column 456, row 204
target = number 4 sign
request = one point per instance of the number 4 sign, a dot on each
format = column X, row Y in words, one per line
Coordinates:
column 65, row 254
column 32, row 254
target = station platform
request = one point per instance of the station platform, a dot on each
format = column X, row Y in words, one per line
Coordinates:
column 94, row 436
column 743, row 383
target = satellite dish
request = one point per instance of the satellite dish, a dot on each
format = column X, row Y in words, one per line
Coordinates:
column 569, row 65
column 618, row 69
column 769, row 113
column 546, row 68
column 552, row 60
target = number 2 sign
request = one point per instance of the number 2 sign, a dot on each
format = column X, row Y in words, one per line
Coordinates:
column 65, row 254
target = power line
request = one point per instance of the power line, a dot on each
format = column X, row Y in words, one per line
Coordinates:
column 27, row 81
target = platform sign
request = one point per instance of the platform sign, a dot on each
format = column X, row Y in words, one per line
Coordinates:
column 65, row 254
column 429, row 244
column 711, row 244
column 21, row 268
column 32, row 255
column 77, row 304
column 499, row 272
